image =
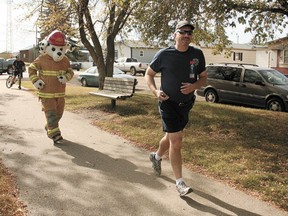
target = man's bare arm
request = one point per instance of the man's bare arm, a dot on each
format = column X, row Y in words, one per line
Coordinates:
column 149, row 77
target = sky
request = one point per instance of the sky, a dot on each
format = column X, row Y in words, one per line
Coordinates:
column 24, row 33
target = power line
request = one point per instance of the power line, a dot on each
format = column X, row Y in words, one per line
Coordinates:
column 9, row 31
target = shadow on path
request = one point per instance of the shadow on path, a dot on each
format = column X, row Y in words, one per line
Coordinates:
column 118, row 168
column 218, row 202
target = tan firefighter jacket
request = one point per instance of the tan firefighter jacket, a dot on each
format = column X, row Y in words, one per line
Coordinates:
column 46, row 69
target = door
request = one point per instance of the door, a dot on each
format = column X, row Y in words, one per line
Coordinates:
column 253, row 89
column 226, row 81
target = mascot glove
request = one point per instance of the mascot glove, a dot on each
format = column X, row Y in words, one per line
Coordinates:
column 62, row 79
column 39, row 84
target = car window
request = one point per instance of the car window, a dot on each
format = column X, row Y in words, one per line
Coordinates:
column 251, row 76
column 117, row 71
column 212, row 73
column 215, row 73
column 274, row 77
column 224, row 73
column 92, row 70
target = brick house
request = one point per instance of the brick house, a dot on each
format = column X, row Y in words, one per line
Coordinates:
column 28, row 54
column 278, row 50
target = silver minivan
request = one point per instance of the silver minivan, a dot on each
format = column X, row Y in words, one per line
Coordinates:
column 247, row 85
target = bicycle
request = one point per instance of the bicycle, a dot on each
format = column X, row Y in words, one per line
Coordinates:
column 9, row 80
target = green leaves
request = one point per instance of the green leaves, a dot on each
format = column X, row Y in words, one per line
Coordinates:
column 157, row 19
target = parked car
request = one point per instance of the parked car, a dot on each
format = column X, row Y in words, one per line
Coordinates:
column 6, row 65
column 131, row 65
column 247, row 85
column 90, row 77
column 75, row 65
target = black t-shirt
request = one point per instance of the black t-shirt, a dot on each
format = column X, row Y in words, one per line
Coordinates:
column 19, row 65
column 176, row 68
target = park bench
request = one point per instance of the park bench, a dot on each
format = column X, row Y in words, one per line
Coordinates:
column 116, row 88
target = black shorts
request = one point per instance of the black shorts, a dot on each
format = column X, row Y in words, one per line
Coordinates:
column 175, row 116
column 18, row 73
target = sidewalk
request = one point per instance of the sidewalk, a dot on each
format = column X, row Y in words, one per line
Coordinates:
column 95, row 173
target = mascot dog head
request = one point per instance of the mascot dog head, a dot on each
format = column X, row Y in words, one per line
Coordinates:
column 55, row 45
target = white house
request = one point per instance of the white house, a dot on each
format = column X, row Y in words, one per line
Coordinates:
column 272, row 55
column 240, row 53
column 139, row 50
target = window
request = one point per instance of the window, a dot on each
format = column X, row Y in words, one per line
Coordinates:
column 213, row 73
column 251, row 76
column 285, row 56
column 116, row 54
column 237, row 56
column 224, row 73
column 141, row 53
column 231, row 74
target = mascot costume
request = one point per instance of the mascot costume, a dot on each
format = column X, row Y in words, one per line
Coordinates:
column 49, row 74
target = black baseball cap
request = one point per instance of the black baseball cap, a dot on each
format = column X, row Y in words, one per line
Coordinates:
column 184, row 23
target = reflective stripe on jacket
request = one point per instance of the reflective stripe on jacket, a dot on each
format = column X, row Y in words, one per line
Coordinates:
column 47, row 70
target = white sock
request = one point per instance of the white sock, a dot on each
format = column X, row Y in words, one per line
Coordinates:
column 178, row 181
column 157, row 157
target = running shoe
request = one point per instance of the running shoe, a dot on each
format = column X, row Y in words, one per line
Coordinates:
column 183, row 189
column 57, row 139
column 156, row 164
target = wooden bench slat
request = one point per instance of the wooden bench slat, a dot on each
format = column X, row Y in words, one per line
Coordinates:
column 116, row 88
column 110, row 94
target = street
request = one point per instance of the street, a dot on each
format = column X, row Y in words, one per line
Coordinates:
column 141, row 86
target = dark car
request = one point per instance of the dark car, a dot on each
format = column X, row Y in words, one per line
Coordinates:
column 6, row 65
column 75, row 65
column 90, row 77
column 246, row 85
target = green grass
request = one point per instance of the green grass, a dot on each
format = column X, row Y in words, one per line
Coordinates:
column 245, row 147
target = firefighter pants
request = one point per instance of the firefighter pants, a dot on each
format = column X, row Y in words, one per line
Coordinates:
column 53, row 109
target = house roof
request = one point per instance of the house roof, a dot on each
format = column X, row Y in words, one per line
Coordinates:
column 141, row 44
column 242, row 46
column 233, row 46
column 136, row 44
column 281, row 43
column 28, row 48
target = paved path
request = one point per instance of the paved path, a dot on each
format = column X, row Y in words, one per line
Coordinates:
column 95, row 173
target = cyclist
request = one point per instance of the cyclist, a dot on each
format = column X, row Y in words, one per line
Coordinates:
column 18, row 69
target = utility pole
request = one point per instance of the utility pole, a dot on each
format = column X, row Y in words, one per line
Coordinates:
column 9, row 31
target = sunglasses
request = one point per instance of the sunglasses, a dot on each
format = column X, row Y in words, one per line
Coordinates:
column 182, row 32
